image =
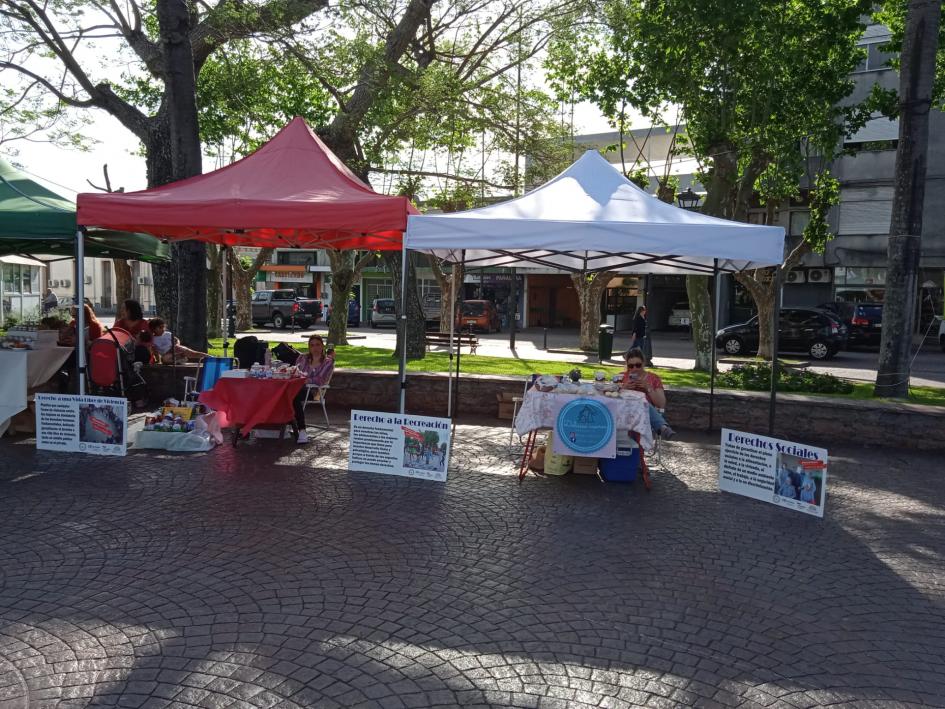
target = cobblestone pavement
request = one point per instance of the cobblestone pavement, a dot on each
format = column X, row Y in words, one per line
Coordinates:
column 270, row 576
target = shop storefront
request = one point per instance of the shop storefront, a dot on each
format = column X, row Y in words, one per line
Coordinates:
column 298, row 278
column 484, row 284
column 552, row 301
column 21, row 287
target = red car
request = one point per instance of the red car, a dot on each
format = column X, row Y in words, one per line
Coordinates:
column 478, row 315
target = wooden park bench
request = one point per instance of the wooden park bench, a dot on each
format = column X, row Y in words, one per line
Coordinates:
column 442, row 339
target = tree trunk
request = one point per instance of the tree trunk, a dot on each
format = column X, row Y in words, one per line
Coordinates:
column 243, row 279
column 175, row 22
column 700, row 310
column 122, row 279
column 416, row 330
column 344, row 274
column 445, row 282
column 590, row 287
column 916, row 77
column 215, row 296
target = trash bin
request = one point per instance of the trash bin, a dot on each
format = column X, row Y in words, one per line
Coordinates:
column 605, row 342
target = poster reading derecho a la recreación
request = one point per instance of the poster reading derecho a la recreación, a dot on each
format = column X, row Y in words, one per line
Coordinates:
column 784, row 473
column 399, row 444
column 82, row 424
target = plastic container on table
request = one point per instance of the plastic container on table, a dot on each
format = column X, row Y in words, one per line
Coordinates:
column 623, row 468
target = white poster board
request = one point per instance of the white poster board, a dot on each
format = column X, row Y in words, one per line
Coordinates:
column 82, row 424
column 399, row 444
column 792, row 475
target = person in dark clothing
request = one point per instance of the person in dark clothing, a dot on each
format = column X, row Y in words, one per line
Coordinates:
column 640, row 337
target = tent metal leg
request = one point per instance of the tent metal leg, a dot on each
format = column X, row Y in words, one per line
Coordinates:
column 459, row 349
column 775, row 332
column 715, row 327
column 402, row 330
column 449, row 393
column 80, row 307
column 226, row 315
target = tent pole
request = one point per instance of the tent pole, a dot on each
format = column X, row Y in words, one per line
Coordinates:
column 775, row 332
column 80, row 307
column 715, row 327
column 459, row 350
column 449, row 393
column 402, row 329
column 513, row 300
column 226, row 309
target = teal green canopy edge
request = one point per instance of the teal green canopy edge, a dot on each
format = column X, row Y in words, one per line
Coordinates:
column 35, row 220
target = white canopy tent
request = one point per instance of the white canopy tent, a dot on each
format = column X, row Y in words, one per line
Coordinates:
column 591, row 218
column 588, row 219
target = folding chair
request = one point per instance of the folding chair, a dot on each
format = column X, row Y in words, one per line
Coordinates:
column 211, row 369
column 320, row 393
column 516, row 402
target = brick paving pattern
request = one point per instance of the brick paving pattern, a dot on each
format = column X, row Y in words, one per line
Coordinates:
column 269, row 576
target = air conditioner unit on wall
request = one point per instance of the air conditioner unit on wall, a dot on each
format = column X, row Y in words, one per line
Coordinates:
column 65, row 284
column 88, row 280
column 794, row 277
column 819, row 275
column 52, row 284
column 144, row 281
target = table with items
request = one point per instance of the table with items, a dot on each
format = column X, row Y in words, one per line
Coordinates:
column 252, row 399
column 543, row 404
column 25, row 364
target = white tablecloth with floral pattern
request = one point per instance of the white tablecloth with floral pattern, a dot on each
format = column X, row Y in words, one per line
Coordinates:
column 540, row 410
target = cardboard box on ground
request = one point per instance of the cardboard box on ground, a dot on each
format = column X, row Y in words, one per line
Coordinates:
column 506, row 405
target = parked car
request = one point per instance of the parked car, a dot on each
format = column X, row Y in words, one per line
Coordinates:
column 478, row 315
column 431, row 309
column 284, row 308
column 864, row 321
column 680, row 315
column 354, row 313
column 810, row 330
column 383, row 312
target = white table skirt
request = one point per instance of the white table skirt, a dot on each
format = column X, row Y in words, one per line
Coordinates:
column 540, row 410
column 23, row 370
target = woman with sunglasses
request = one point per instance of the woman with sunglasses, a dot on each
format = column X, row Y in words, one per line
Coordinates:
column 636, row 377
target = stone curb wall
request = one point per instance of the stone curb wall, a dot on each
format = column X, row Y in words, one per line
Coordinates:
column 827, row 421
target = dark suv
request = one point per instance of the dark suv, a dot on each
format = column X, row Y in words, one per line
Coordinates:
column 864, row 321
column 816, row 332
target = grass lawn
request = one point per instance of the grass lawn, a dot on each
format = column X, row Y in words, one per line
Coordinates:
column 375, row 358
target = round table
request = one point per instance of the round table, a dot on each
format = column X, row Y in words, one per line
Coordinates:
column 247, row 402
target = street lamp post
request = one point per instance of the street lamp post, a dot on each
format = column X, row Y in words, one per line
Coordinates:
column 688, row 199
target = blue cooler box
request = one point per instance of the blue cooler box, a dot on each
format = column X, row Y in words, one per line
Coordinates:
column 623, row 468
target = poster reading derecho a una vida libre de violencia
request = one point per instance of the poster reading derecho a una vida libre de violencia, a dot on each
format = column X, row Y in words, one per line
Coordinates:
column 399, row 444
column 82, row 424
column 784, row 473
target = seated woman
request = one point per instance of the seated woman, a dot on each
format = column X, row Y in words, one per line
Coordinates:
column 638, row 379
column 131, row 318
column 317, row 365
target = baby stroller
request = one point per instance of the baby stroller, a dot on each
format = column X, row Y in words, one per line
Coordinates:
column 112, row 365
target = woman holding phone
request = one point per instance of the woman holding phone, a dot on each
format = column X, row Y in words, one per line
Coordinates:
column 636, row 377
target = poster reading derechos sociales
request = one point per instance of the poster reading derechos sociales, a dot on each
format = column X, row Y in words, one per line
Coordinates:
column 784, row 473
column 399, row 444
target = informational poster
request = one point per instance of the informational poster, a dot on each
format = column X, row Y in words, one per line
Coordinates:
column 399, row 444
column 585, row 427
column 792, row 475
column 82, row 424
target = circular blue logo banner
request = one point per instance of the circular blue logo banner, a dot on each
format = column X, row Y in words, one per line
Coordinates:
column 584, row 425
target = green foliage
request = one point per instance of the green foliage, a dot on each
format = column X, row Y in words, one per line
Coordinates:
column 457, row 198
column 892, row 14
column 641, row 178
column 824, row 196
column 757, row 377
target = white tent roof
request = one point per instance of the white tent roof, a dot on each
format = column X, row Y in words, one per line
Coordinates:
column 591, row 218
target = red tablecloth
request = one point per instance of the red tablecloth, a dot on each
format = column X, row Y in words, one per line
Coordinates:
column 253, row 402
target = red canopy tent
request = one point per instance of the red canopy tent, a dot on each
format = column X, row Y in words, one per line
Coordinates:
column 292, row 192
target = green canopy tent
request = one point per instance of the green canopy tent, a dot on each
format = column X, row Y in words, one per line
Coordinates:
column 35, row 220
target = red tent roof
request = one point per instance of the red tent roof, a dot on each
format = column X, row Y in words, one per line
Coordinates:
column 293, row 191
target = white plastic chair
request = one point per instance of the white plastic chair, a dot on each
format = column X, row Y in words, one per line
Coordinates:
column 319, row 395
